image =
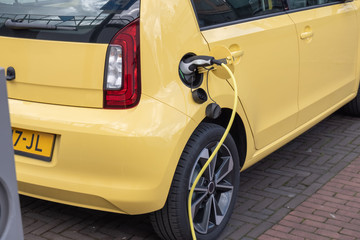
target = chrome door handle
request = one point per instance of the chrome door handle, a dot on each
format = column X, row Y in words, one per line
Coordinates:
column 306, row 35
column 237, row 54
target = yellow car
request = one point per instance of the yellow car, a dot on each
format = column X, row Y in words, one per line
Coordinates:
column 115, row 105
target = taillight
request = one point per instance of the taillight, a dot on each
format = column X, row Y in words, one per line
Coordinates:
column 122, row 69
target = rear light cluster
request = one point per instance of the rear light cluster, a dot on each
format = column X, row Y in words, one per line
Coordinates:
column 122, row 71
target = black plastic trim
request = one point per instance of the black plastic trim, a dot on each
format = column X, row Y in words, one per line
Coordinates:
column 243, row 20
column 261, row 17
column 99, row 34
column 313, row 7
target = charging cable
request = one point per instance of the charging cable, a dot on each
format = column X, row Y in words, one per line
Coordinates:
column 227, row 130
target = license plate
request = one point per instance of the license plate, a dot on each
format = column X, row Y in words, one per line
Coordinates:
column 33, row 144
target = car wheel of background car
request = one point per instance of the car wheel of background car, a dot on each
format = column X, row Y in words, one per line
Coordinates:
column 353, row 107
column 215, row 194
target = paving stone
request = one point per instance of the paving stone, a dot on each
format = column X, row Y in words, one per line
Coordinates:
column 65, row 225
column 330, row 215
column 326, row 193
column 333, row 235
column 351, row 233
column 230, row 228
column 75, row 235
column 50, row 225
column 326, row 177
column 294, row 225
column 279, row 203
column 262, row 204
column 241, row 231
column 259, row 229
column 268, row 237
column 33, row 237
column 244, row 219
column 296, row 201
column 282, row 235
column 33, row 227
column 278, row 215
column 312, row 189
column 308, row 235
column 53, row 236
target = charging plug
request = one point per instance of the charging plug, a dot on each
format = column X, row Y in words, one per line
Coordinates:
column 219, row 61
column 190, row 64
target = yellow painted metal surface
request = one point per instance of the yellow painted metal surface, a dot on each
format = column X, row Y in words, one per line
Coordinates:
column 163, row 46
column 328, row 40
column 356, row 5
column 126, row 158
column 267, row 73
column 55, row 72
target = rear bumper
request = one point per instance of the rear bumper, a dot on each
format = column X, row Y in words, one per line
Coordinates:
column 113, row 160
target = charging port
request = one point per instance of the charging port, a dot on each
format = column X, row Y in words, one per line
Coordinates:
column 192, row 80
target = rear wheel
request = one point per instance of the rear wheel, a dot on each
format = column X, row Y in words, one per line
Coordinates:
column 215, row 194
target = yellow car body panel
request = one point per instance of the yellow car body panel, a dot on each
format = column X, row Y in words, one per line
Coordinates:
column 124, row 160
column 356, row 4
column 165, row 47
column 55, row 72
column 327, row 57
column 103, row 159
column 267, row 73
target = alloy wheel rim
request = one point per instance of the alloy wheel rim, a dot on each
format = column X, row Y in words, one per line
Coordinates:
column 214, row 191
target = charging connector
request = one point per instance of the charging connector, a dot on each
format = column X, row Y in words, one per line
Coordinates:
column 190, row 64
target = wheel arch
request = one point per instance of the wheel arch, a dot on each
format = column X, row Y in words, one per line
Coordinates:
column 237, row 131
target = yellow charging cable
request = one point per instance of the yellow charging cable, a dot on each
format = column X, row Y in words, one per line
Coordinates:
column 222, row 140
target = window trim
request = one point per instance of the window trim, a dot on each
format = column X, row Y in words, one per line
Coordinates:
column 284, row 2
column 313, row 7
column 286, row 10
column 242, row 21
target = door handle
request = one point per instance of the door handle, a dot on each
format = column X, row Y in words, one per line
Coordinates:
column 306, row 35
column 237, row 54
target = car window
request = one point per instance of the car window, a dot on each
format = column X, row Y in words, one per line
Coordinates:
column 90, row 20
column 62, row 12
column 212, row 12
column 295, row 4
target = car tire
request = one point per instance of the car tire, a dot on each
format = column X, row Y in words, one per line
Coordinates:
column 353, row 107
column 215, row 194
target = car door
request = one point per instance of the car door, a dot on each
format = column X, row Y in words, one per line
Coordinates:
column 327, row 33
column 263, row 37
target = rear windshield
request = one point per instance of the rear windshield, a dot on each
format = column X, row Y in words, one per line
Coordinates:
column 72, row 20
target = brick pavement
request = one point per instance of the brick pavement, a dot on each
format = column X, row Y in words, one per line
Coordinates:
column 303, row 190
column 333, row 212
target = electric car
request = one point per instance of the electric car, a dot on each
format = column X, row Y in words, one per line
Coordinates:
column 104, row 115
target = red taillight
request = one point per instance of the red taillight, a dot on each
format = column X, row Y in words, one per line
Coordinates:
column 122, row 74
